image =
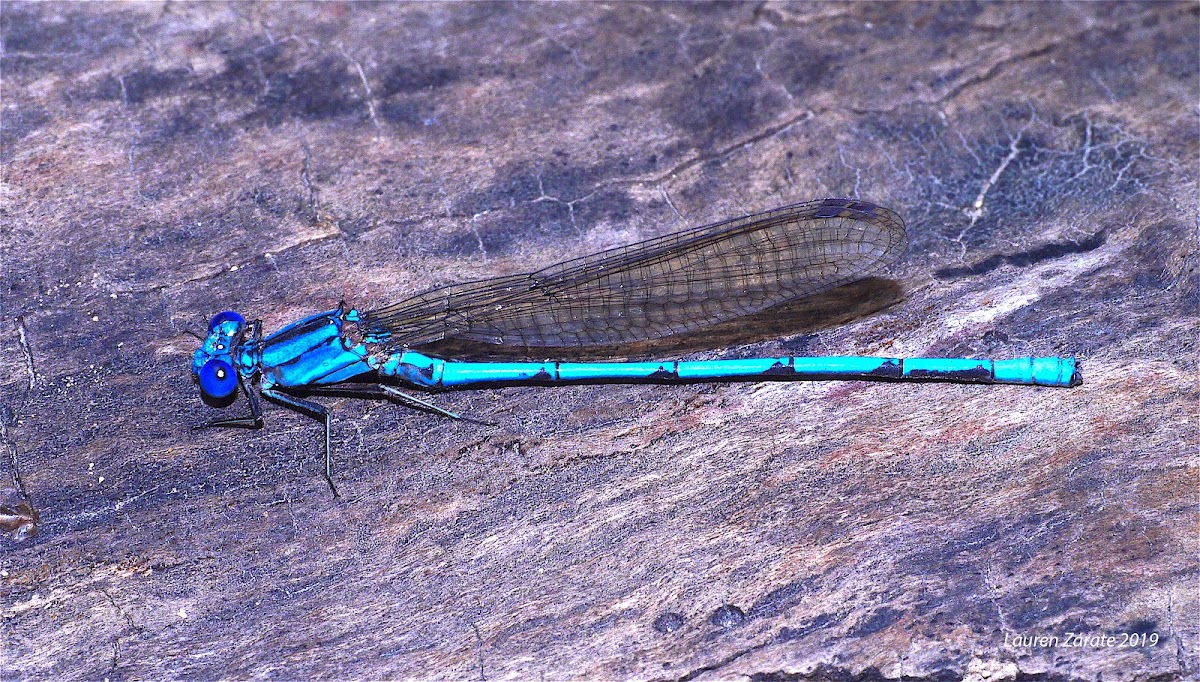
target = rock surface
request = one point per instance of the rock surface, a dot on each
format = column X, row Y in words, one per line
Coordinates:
column 163, row 162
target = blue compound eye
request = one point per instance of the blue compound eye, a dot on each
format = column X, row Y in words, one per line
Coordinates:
column 218, row 380
column 227, row 316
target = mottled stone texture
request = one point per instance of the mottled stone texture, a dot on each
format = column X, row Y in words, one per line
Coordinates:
column 162, row 162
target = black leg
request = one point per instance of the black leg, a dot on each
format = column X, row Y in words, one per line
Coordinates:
column 416, row 403
column 254, row 421
column 378, row 392
column 315, row 411
column 382, row 392
column 365, row 391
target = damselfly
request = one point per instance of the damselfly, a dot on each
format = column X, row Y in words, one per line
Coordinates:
column 671, row 284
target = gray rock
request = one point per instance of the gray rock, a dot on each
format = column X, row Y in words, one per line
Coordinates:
column 165, row 162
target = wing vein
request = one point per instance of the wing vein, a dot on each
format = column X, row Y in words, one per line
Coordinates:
column 661, row 286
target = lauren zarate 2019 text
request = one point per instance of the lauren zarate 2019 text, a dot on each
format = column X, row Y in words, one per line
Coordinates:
column 1079, row 640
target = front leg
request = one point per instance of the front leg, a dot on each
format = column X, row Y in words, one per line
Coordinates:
column 315, row 411
column 254, row 421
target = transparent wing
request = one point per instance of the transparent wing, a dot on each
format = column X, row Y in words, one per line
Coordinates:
column 662, row 286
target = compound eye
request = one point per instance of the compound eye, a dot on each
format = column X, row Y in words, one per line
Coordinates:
column 218, row 380
column 222, row 318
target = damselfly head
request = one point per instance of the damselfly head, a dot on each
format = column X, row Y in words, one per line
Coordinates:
column 213, row 363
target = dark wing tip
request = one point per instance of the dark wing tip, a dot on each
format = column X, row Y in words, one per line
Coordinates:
column 856, row 208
